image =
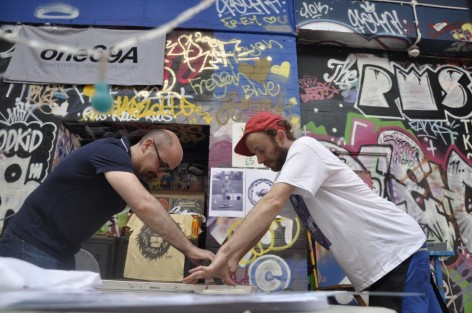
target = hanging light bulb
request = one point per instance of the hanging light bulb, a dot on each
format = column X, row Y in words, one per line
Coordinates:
column 101, row 100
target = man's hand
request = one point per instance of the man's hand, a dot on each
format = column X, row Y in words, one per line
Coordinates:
column 219, row 268
column 197, row 256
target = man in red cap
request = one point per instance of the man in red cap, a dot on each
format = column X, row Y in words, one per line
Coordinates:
column 380, row 247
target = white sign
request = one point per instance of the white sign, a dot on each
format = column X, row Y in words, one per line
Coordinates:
column 72, row 56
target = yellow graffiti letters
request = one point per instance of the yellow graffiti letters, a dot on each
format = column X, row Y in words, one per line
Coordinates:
column 268, row 89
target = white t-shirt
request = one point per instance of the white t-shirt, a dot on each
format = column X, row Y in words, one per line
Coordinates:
column 369, row 235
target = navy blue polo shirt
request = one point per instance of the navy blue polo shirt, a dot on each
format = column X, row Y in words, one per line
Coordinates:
column 75, row 199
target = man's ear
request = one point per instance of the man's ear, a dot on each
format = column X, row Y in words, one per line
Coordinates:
column 281, row 136
column 147, row 144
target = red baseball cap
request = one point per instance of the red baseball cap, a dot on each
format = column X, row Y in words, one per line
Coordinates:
column 258, row 123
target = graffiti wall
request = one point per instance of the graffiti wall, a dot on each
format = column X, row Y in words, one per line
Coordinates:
column 431, row 27
column 210, row 79
column 406, row 121
column 273, row 16
column 409, row 124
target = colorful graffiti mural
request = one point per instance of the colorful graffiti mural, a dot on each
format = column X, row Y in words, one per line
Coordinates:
column 405, row 121
column 278, row 262
column 416, row 27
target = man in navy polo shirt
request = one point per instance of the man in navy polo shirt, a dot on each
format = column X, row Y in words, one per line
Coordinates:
column 85, row 190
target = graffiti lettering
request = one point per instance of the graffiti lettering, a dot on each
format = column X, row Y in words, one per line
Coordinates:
column 234, row 8
column 268, row 89
column 217, row 83
column 243, row 21
column 254, row 50
column 46, row 95
column 418, row 90
column 29, row 144
column 200, row 52
column 90, row 114
column 466, row 125
column 35, row 171
column 313, row 10
column 315, row 90
column 232, row 107
column 196, row 55
column 404, row 152
column 436, row 129
column 19, row 139
column 454, row 167
column 344, row 76
column 387, row 22
column 169, row 105
column 466, row 141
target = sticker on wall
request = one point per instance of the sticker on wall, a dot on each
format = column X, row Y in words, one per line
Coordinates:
column 237, row 159
column 258, row 183
column 270, row 273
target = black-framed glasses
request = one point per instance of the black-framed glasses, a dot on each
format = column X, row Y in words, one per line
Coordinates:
column 163, row 166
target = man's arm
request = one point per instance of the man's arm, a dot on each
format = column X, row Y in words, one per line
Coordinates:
column 251, row 230
column 153, row 214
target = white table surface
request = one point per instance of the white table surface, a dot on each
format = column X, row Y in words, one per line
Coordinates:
column 147, row 297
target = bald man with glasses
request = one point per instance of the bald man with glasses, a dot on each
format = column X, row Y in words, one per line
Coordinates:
column 88, row 187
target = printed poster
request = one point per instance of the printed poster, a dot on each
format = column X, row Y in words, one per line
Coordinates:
column 226, row 192
column 258, row 183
